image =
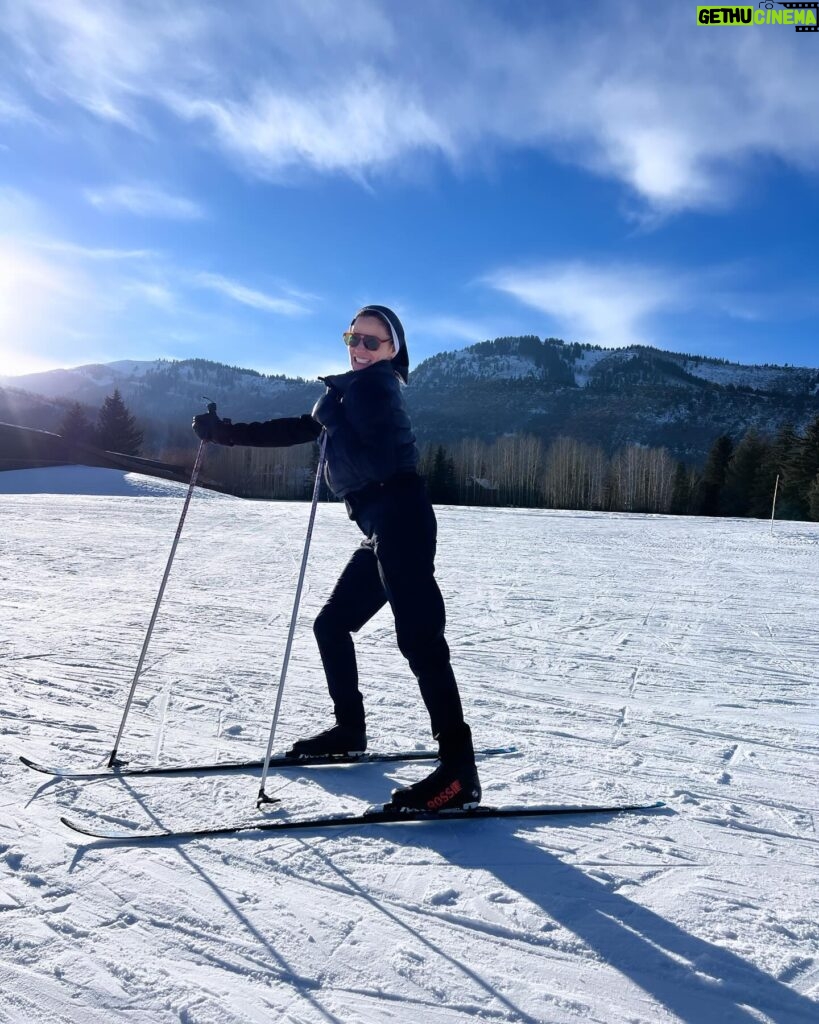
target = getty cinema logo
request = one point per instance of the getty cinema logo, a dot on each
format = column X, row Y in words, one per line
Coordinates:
column 803, row 16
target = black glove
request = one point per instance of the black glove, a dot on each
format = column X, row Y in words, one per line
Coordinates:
column 327, row 411
column 209, row 427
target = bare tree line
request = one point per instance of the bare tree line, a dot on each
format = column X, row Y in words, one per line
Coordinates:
column 522, row 470
column 518, row 470
column 272, row 473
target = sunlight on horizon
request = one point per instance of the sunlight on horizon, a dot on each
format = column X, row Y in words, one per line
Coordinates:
column 37, row 301
column 18, row 364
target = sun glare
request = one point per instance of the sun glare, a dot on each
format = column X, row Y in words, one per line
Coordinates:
column 14, row 364
column 35, row 297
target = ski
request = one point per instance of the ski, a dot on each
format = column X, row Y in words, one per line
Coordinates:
column 377, row 816
column 280, row 761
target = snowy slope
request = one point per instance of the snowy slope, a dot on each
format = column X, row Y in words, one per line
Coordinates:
column 77, row 382
column 162, row 388
column 627, row 656
column 78, row 480
column 586, row 362
column 763, row 378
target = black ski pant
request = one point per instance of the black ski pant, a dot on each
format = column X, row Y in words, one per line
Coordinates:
column 394, row 564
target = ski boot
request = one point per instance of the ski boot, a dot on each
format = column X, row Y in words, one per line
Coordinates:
column 339, row 741
column 453, row 784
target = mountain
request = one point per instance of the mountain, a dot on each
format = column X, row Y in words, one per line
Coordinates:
column 549, row 388
column 167, row 388
column 610, row 397
column 31, row 410
column 163, row 394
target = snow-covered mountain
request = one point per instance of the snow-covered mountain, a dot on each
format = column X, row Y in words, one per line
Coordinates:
column 602, row 396
column 162, row 394
column 509, row 385
column 552, row 361
column 161, row 387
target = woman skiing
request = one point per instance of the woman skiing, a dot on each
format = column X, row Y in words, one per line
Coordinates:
column 372, row 463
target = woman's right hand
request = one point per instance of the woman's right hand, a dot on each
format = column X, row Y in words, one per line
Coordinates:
column 209, row 427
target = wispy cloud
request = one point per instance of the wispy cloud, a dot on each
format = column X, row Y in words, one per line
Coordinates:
column 11, row 109
column 84, row 252
column 145, row 201
column 603, row 305
column 155, row 293
column 63, row 303
column 249, row 296
column 454, row 328
column 676, row 112
column 355, row 127
column 20, row 213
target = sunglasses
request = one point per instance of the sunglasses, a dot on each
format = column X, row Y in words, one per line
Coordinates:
column 369, row 341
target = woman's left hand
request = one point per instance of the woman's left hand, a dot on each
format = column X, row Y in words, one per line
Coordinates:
column 327, row 410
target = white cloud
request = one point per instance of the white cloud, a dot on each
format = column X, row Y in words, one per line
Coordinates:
column 249, row 296
column 145, row 201
column 454, row 328
column 104, row 58
column 63, row 303
column 11, row 109
column 19, row 212
column 602, row 305
column 674, row 111
column 355, row 127
column 84, row 252
column 153, row 292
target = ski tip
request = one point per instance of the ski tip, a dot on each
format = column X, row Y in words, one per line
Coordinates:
column 75, row 826
column 44, row 769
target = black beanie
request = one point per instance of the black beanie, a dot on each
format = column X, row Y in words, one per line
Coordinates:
column 400, row 361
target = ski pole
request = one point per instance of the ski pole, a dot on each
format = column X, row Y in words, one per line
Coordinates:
column 113, row 760
column 263, row 798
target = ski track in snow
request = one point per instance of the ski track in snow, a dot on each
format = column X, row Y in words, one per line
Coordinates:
column 634, row 657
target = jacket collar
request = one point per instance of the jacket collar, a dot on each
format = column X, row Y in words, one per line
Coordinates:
column 341, row 381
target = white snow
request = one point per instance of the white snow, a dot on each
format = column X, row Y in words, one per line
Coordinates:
column 628, row 657
column 585, row 364
column 763, row 378
column 464, row 363
column 87, row 480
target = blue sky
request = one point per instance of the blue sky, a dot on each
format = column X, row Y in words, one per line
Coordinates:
column 232, row 181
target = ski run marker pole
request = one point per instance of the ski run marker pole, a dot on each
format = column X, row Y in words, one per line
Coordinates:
column 263, row 798
column 112, row 760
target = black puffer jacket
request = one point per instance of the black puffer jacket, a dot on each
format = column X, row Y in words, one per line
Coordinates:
column 369, row 434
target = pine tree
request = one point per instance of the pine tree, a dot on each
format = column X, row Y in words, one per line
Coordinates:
column 805, row 465
column 76, row 426
column 680, row 491
column 713, row 478
column 813, row 500
column 450, row 485
column 441, row 478
column 764, row 482
column 117, row 429
column 741, row 477
column 786, row 451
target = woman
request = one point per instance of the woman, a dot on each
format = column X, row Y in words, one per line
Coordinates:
column 372, row 463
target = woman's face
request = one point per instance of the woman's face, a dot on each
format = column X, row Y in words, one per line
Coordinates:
column 361, row 357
